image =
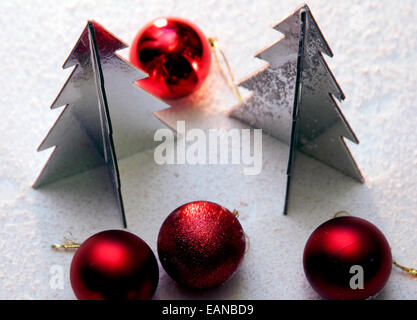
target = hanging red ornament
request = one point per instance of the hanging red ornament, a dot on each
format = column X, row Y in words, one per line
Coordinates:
column 347, row 258
column 175, row 54
column 201, row 244
column 114, row 264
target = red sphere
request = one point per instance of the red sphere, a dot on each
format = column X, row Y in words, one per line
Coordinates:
column 347, row 258
column 114, row 264
column 175, row 54
column 201, row 244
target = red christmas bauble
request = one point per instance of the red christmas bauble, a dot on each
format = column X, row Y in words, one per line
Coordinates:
column 175, row 54
column 114, row 264
column 201, row 244
column 347, row 258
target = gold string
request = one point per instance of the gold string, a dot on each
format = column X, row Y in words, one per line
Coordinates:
column 340, row 213
column 411, row 271
column 214, row 45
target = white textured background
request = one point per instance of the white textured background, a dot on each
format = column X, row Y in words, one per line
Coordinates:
column 375, row 46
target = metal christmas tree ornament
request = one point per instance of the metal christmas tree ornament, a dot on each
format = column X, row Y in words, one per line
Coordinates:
column 106, row 116
column 293, row 99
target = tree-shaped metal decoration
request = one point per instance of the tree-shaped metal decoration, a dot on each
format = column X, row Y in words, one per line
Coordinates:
column 293, row 98
column 106, row 116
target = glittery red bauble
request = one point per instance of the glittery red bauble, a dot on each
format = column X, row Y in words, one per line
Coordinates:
column 175, row 54
column 201, row 244
column 114, row 264
column 336, row 249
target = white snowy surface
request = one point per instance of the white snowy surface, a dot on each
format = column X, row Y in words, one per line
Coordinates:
column 375, row 46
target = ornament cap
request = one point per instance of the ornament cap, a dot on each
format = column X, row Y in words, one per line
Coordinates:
column 66, row 245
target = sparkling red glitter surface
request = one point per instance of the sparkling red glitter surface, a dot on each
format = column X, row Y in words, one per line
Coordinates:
column 337, row 245
column 114, row 264
column 175, row 54
column 201, row 244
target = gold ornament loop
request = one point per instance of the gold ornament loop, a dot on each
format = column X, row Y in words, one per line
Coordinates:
column 339, row 213
column 214, row 45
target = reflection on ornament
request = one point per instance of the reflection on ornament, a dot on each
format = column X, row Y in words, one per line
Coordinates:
column 347, row 258
column 114, row 264
column 175, row 54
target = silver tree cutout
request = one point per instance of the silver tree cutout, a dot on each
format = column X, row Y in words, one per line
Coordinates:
column 293, row 98
column 106, row 116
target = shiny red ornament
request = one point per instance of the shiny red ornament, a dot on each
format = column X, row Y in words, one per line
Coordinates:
column 114, row 265
column 336, row 249
column 175, row 54
column 201, row 244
